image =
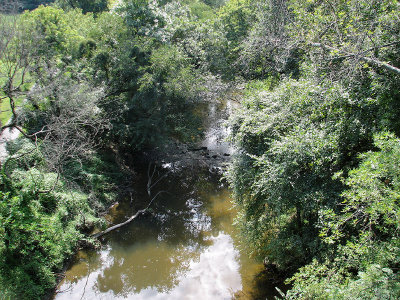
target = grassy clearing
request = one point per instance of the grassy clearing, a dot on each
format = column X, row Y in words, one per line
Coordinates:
column 5, row 109
column 5, row 114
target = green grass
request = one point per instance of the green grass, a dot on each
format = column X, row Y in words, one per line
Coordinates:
column 6, row 113
column 5, row 109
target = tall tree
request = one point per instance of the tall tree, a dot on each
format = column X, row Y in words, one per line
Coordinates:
column 16, row 55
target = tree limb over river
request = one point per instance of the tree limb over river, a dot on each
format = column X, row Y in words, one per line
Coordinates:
column 149, row 186
column 138, row 213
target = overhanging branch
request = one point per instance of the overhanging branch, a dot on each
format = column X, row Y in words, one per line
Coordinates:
column 369, row 60
column 138, row 213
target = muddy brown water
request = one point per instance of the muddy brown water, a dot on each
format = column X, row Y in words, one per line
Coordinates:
column 185, row 248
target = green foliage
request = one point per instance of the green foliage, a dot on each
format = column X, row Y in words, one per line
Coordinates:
column 201, row 10
column 317, row 281
column 289, row 141
column 48, row 23
column 236, row 16
column 371, row 202
column 366, row 228
column 342, row 24
column 265, row 52
column 331, row 34
column 292, row 138
column 161, row 106
column 41, row 223
column 142, row 17
column 56, row 35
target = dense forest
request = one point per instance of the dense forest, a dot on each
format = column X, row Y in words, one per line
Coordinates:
column 315, row 175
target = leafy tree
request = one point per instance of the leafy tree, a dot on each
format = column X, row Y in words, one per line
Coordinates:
column 281, row 176
column 365, row 231
column 142, row 16
column 161, row 106
column 352, row 33
column 14, row 56
column 50, row 24
column 236, row 17
column 291, row 141
column 266, row 51
column 293, row 136
column 41, row 223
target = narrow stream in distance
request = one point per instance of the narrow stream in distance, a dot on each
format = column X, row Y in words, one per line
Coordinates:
column 186, row 248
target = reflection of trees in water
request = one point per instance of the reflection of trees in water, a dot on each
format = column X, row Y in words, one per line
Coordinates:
column 152, row 265
column 178, row 246
column 156, row 249
column 216, row 132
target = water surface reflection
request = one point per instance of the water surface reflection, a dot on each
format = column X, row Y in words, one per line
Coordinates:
column 185, row 249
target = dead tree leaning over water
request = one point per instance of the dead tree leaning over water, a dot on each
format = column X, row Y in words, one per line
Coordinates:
column 149, row 186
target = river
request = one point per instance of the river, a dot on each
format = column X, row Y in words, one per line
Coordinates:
column 185, row 248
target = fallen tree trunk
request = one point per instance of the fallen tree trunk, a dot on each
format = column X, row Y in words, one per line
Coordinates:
column 101, row 233
column 138, row 213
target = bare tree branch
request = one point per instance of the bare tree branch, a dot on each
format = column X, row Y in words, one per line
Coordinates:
column 369, row 60
column 138, row 213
